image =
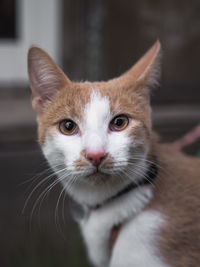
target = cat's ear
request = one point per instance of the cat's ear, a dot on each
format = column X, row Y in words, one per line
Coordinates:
column 146, row 71
column 45, row 77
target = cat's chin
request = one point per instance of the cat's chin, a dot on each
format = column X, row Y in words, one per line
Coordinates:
column 95, row 189
column 93, row 186
column 97, row 177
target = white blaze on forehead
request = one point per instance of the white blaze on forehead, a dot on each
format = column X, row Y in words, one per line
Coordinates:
column 97, row 117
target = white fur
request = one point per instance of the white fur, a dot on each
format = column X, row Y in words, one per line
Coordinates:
column 62, row 152
column 136, row 243
column 97, row 117
column 97, row 225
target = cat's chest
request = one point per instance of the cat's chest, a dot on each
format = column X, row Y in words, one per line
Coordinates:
column 134, row 237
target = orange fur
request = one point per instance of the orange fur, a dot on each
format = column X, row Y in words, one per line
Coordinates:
column 128, row 93
column 177, row 186
column 177, row 197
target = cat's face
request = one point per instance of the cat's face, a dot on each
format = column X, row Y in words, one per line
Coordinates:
column 96, row 136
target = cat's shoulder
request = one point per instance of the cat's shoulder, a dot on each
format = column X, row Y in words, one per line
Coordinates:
column 171, row 155
column 177, row 198
column 177, row 172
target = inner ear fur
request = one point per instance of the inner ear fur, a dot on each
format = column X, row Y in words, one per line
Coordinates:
column 45, row 77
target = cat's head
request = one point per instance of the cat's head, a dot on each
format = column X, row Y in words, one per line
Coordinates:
column 95, row 135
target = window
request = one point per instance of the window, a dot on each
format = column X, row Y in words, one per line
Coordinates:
column 22, row 24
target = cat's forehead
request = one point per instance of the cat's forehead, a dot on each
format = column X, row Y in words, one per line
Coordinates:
column 88, row 97
column 97, row 111
column 91, row 106
column 73, row 101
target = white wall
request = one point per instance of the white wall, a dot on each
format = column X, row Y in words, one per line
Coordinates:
column 39, row 23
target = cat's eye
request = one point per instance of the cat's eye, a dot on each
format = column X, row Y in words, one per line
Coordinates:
column 119, row 123
column 68, row 127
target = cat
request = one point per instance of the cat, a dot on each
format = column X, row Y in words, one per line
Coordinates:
column 140, row 200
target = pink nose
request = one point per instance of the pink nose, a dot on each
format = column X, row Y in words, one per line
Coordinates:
column 95, row 156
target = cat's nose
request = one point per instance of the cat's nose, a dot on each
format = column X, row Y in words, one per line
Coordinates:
column 96, row 156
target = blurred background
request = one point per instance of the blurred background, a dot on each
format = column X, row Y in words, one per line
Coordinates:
column 94, row 40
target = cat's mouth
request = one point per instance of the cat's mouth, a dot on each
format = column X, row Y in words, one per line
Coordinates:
column 95, row 171
column 98, row 173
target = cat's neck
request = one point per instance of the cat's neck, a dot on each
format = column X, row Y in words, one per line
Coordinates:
column 148, row 179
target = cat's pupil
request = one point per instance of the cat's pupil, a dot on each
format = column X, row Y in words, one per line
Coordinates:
column 69, row 125
column 119, row 121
